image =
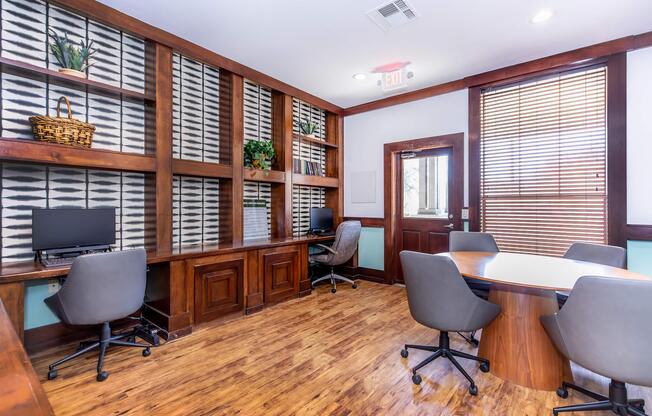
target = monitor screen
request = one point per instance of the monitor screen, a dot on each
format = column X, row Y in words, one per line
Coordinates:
column 321, row 219
column 62, row 228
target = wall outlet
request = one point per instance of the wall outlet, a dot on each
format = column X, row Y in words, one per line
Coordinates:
column 465, row 213
column 53, row 286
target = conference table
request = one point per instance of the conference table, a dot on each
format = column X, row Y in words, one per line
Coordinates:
column 524, row 285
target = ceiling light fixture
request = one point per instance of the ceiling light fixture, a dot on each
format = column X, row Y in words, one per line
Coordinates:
column 542, row 15
column 360, row 76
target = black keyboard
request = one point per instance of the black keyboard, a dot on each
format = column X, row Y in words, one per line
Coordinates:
column 57, row 261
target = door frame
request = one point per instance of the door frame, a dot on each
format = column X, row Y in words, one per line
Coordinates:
column 391, row 162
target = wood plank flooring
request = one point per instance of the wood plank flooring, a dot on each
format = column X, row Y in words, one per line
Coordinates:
column 325, row 354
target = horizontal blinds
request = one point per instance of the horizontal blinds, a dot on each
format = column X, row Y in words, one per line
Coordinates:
column 543, row 162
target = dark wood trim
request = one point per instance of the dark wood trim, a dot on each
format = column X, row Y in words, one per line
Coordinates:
column 368, row 221
column 259, row 175
column 308, row 180
column 639, row 232
column 364, row 273
column 237, row 155
column 391, row 155
column 114, row 18
column 203, row 169
column 624, row 44
column 312, row 140
column 616, row 146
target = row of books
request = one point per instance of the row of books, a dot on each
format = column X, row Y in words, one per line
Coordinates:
column 306, row 167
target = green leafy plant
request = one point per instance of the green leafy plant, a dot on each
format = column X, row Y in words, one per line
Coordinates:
column 308, row 126
column 259, row 154
column 69, row 54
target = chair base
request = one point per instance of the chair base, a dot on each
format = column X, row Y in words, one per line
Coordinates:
column 617, row 401
column 334, row 278
column 444, row 350
column 105, row 340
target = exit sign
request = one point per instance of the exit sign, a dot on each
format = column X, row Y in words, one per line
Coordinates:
column 393, row 80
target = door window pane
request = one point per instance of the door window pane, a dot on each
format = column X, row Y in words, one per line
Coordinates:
column 425, row 187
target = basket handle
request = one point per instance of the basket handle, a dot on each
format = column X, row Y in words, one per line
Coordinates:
column 63, row 97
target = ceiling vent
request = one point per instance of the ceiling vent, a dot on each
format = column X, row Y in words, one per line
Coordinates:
column 392, row 14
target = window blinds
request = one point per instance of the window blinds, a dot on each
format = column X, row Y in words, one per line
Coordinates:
column 543, row 162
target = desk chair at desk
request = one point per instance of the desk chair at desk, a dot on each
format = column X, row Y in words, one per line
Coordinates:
column 343, row 248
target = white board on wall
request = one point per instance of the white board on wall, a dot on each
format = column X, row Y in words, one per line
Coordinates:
column 363, row 187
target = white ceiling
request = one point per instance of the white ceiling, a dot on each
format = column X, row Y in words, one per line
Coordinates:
column 318, row 45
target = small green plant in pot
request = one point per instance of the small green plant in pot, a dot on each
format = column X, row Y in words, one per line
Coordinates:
column 308, row 127
column 259, row 154
column 73, row 58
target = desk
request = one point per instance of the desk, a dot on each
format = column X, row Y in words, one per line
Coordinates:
column 516, row 343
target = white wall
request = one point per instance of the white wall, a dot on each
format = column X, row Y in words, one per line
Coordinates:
column 365, row 134
column 639, row 137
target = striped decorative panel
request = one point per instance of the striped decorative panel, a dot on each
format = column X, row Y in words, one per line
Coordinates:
column 257, row 112
column 26, row 186
column 195, row 210
column 195, row 110
column 259, row 191
column 306, row 151
column 304, row 198
column 120, row 61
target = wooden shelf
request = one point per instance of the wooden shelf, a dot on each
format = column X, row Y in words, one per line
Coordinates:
column 312, row 140
column 259, row 175
column 36, row 72
column 203, row 169
column 322, row 181
column 26, row 150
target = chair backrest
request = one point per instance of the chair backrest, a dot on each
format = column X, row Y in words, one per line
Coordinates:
column 598, row 253
column 104, row 287
column 438, row 296
column 471, row 241
column 605, row 327
column 346, row 242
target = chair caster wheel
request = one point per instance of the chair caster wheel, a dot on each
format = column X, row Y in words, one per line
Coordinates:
column 484, row 367
column 416, row 379
column 333, row 290
column 562, row 392
column 473, row 390
column 131, row 339
column 475, row 342
column 147, row 352
column 355, row 286
column 102, row 376
column 404, row 353
column 52, row 374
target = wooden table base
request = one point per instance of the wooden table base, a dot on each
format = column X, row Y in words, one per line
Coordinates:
column 516, row 343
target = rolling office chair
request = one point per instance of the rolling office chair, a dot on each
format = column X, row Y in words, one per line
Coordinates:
column 595, row 253
column 604, row 327
column 101, row 288
column 439, row 299
column 473, row 241
column 343, row 248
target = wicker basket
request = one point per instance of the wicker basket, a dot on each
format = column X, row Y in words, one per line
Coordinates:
column 62, row 130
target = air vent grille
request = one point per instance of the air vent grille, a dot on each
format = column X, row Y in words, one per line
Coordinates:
column 392, row 14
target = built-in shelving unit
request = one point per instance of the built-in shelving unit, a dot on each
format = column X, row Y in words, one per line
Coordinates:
column 313, row 140
column 259, row 175
column 314, row 180
column 204, row 169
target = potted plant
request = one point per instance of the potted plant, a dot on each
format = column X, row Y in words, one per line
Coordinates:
column 259, row 154
column 308, row 127
column 73, row 58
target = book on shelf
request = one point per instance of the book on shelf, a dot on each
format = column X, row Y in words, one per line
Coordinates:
column 306, row 167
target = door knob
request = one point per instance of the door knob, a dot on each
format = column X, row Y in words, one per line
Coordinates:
column 449, row 226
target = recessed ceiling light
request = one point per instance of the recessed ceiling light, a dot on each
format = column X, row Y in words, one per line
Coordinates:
column 360, row 76
column 542, row 15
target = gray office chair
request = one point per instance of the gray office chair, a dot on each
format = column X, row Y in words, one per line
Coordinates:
column 439, row 299
column 473, row 241
column 101, row 288
column 595, row 253
column 605, row 327
column 343, row 248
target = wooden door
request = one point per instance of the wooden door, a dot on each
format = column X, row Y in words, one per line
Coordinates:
column 218, row 289
column 280, row 268
column 426, row 187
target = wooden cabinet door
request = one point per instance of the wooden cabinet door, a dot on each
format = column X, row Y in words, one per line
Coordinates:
column 280, row 268
column 218, row 289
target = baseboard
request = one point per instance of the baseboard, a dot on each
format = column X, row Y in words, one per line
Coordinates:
column 372, row 275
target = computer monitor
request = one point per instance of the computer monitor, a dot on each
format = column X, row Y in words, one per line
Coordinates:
column 72, row 229
column 321, row 219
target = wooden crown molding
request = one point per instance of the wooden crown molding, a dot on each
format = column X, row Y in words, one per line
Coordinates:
column 625, row 44
column 115, row 18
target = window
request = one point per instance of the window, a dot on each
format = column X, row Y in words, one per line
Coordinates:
column 425, row 185
column 543, row 162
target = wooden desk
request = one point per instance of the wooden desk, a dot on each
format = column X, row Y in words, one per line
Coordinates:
column 524, row 286
column 21, row 392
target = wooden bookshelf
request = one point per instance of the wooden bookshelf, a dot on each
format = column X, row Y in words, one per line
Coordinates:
column 313, row 140
column 259, row 175
column 36, row 72
column 26, row 150
column 203, row 169
column 308, row 180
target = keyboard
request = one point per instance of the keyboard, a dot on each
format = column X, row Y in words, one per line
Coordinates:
column 57, row 261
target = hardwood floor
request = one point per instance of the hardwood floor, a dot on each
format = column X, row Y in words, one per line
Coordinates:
column 323, row 354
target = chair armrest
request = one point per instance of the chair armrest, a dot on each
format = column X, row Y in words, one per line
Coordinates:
column 326, row 248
